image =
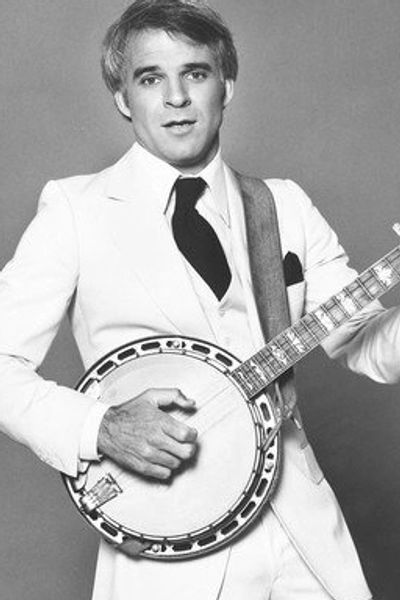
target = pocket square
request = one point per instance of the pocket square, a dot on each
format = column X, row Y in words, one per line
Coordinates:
column 292, row 269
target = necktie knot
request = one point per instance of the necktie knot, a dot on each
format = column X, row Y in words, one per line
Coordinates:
column 188, row 191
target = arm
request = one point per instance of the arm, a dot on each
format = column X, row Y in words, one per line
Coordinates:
column 369, row 343
column 36, row 287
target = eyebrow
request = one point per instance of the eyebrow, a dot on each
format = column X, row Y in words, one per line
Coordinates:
column 205, row 66
column 141, row 70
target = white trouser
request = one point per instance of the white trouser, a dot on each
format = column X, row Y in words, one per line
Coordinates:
column 264, row 565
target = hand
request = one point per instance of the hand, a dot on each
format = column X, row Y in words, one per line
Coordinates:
column 141, row 437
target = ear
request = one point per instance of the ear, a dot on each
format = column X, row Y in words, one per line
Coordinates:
column 121, row 104
column 229, row 85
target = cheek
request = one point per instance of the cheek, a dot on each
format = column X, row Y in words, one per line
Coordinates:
column 143, row 109
column 145, row 123
column 213, row 106
column 214, row 115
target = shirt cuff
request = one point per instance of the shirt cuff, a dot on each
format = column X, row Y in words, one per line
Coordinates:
column 90, row 432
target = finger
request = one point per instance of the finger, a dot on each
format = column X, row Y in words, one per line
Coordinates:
column 183, row 451
column 179, row 431
column 184, row 402
column 159, row 472
column 149, row 469
column 167, row 396
column 165, row 459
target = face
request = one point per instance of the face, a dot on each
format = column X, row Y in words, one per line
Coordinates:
column 175, row 96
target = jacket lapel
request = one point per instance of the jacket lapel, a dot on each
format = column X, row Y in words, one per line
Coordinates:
column 139, row 230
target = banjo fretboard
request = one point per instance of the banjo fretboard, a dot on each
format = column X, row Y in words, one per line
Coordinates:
column 293, row 343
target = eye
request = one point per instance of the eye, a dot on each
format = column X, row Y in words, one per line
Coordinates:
column 150, row 80
column 197, row 75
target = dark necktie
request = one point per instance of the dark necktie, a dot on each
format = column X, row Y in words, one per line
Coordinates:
column 195, row 237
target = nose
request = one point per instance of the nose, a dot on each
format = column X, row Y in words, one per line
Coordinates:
column 176, row 94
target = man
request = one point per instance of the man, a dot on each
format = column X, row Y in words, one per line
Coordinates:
column 107, row 249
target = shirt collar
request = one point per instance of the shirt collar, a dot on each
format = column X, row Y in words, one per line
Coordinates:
column 153, row 177
column 156, row 178
column 216, row 200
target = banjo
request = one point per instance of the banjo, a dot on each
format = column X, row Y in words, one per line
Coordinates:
column 220, row 492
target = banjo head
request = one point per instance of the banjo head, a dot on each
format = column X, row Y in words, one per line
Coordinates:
column 215, row 495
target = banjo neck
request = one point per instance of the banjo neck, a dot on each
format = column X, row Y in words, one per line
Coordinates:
column 292, row 344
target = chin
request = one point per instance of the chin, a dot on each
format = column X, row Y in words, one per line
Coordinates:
column 190, row 160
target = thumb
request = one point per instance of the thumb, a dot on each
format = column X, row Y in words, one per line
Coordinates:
column 162, row 397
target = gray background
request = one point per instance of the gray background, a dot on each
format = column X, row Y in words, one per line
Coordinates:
column 317, row 101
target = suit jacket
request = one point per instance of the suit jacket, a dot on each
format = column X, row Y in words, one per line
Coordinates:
column 98, row 251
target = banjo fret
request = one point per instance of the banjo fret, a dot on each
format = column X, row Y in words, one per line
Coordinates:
column 346, row 305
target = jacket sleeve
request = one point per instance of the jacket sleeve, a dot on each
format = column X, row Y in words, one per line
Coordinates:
column 369, row 343
column 36, row 288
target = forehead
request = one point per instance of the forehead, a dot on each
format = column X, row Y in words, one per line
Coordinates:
column 153, row 47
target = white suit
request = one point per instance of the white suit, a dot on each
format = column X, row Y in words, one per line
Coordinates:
column 98, row 249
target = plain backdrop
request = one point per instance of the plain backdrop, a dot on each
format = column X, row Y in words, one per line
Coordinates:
column 317, row 101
